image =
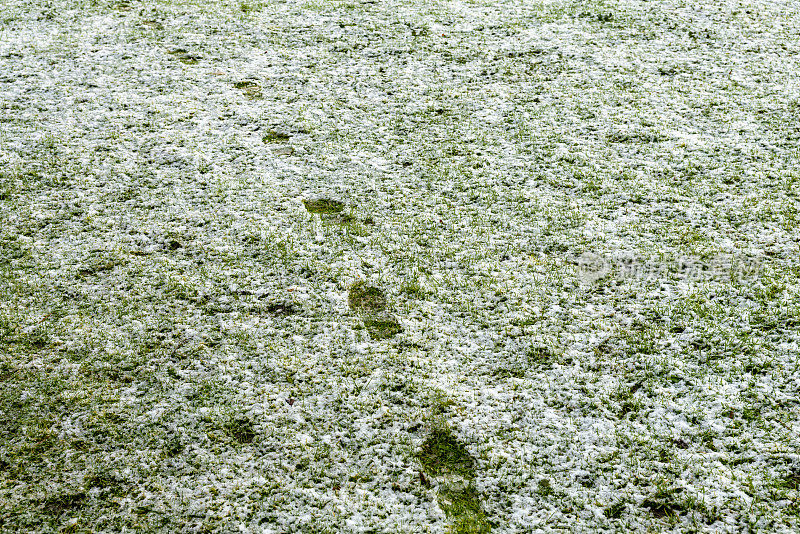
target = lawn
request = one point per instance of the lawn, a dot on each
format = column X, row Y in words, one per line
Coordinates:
column 314, row 266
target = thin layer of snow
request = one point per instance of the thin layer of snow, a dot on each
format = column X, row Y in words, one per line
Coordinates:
column 163, row 240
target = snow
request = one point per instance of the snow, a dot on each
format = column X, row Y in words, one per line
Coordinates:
column 159, row 243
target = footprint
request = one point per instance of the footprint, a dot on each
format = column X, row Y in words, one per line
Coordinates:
column 250, row 89
column 382, row 327
column 372, row 303
column 442, row 454
column 323, row 206
column 364, row 298
column 447, row 461
column 184, row 57
column 462, row 506
column 275, row 136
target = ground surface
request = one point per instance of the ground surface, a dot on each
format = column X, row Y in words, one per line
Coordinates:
column 320, row 266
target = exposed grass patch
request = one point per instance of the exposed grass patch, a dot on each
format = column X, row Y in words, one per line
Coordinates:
column 276, row 136
column 792, row 479
column 240, row 428
column 545, row 488
column 382, row 327
column 624, row 396
column 615, row 510
column 100, row 265
column 183, row 55
column 444, row 458
column 323, row 206
column 540, row 356
column 9, row 187
column 413, row 289
column 663, row 503
column 58, row 504
column 509, row 371
column 364, row 298
column 249, row 88
column 122, row 5
column 442, row 454
column 251, row 7
column 463, row 508
column 669, row 502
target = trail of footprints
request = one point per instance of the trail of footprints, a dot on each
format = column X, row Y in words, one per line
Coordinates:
column 368, row 302
column 443, row 458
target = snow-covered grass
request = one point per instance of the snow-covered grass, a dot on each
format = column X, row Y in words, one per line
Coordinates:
column 399, row 266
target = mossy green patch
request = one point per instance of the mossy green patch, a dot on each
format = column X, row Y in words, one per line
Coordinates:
column 8, row 188
column 58, row 504
column 105, row 482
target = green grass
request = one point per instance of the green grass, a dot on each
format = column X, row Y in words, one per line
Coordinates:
column 413, row 289
column 240, row 428
column 139, row 326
